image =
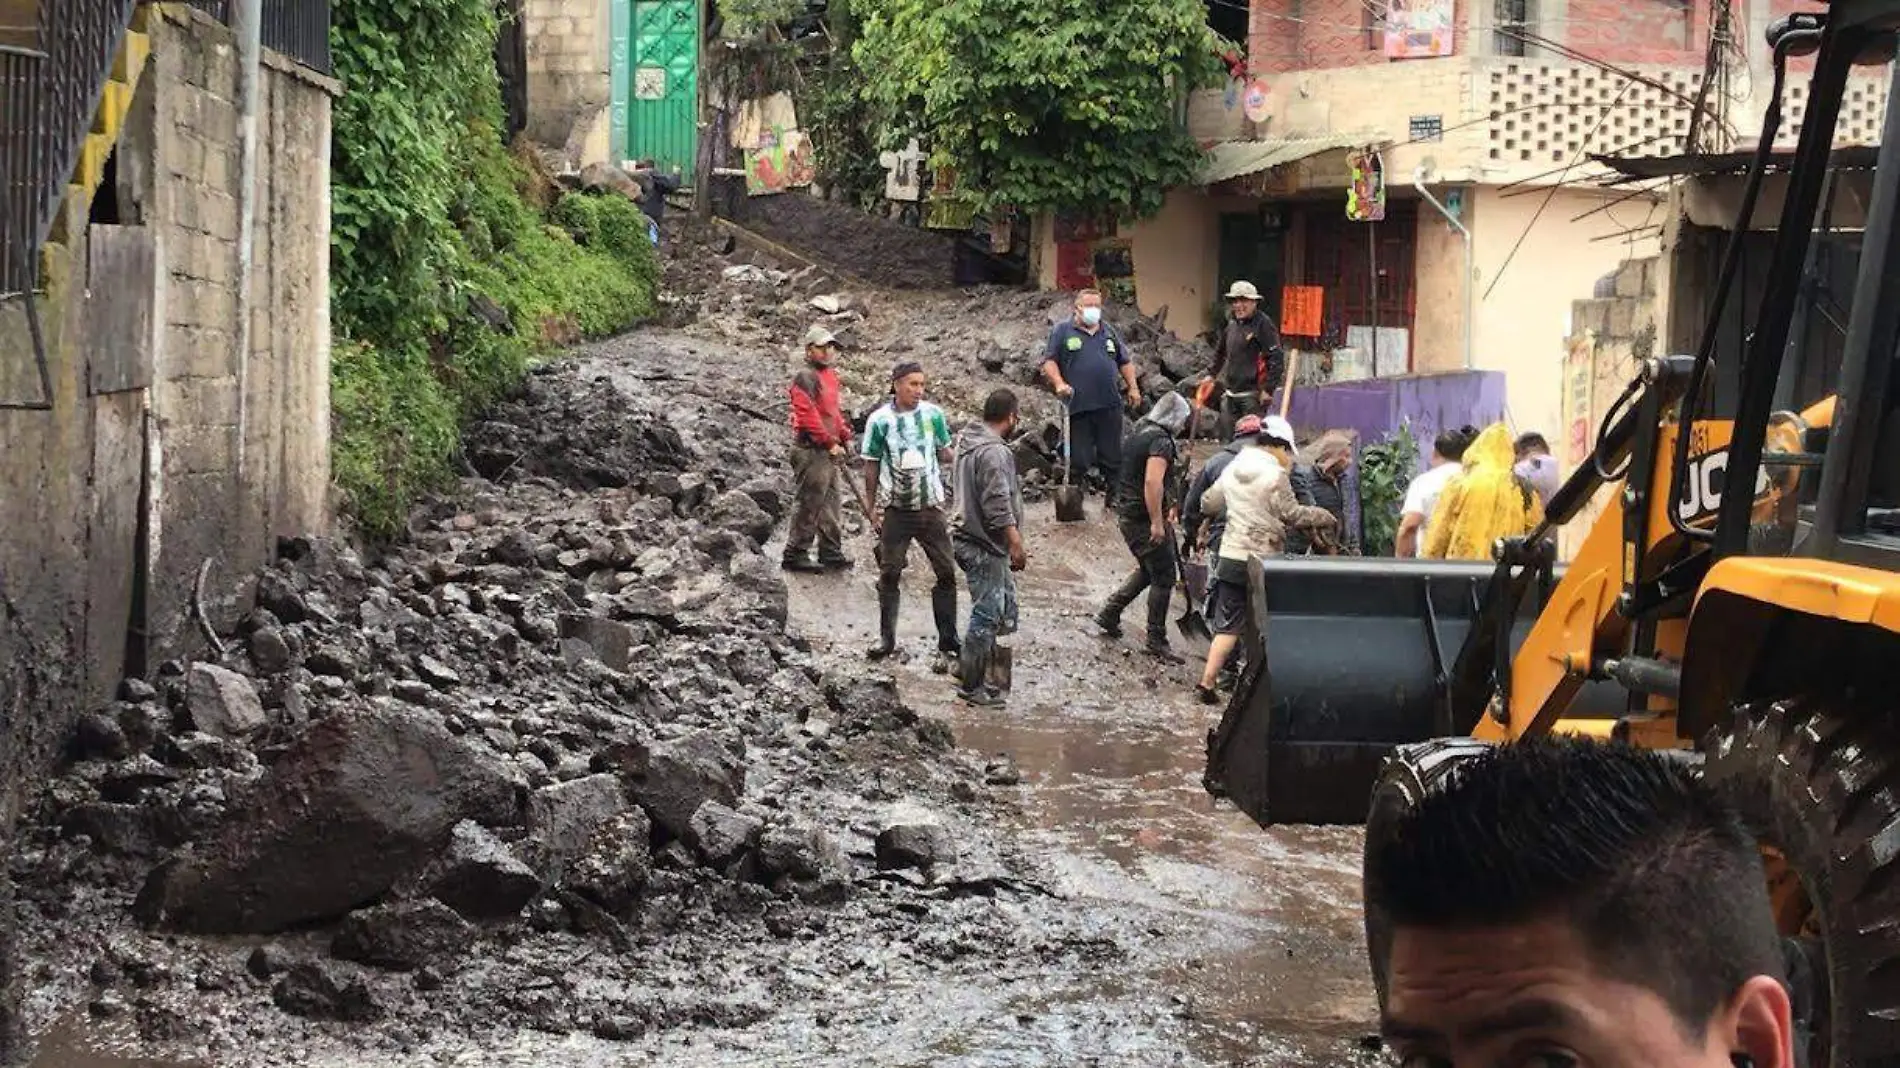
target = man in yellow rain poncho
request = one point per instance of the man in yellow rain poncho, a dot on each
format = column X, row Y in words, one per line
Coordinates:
column 1487, row 502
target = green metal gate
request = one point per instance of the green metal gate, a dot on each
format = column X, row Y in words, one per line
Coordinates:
column 656, row 82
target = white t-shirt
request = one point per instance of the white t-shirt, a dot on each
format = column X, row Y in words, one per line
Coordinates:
column 1422, row 495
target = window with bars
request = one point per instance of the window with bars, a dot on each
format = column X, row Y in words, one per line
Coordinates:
column 1510, row 20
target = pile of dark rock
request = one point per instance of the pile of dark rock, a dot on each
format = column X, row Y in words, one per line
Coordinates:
column 566, row 705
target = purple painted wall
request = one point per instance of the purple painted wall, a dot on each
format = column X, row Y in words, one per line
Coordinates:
column 1373, row 408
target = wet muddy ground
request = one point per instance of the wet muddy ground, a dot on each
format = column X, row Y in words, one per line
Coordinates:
column 1105, row 910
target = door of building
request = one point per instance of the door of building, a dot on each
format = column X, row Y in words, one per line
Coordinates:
column 1251, row 250
column 663, row 91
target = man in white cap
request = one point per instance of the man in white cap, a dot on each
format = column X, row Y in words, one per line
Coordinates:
column 1250, row 363
column 1256, row 497
column 821, row 439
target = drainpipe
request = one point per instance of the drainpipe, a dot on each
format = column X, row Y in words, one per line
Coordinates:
column 1418, row 183
column 248, row 22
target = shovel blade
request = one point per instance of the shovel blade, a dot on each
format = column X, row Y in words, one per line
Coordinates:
column 1000, row 669
column 1069, row 504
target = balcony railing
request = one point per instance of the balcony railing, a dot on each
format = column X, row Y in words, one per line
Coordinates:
column 20, row 167
column 299, row 29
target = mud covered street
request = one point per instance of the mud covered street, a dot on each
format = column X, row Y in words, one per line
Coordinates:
column 575, row 774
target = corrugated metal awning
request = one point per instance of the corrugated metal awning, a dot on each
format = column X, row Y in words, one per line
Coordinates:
column 1236, row 159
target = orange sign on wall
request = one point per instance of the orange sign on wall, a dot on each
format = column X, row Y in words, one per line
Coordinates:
column 1300, row 308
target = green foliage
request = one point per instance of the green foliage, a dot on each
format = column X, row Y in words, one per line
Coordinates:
column 746, row 18
column 1069, row 105
column 446, row 280
column 1385, row 470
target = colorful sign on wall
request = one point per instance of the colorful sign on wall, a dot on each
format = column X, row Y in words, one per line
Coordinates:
column 783, row 160
column 1417, row 29
column 1365, row 193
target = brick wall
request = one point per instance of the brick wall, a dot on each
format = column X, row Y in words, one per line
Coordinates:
column 568, row 83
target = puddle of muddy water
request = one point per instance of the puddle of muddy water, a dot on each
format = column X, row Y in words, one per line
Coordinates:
column 1262, row 959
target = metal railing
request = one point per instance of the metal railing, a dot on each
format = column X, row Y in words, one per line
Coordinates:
column 299, row 29
column 20, row 168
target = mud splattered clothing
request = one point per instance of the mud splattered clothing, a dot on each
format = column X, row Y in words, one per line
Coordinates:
column 818, row 424
column 904, row 446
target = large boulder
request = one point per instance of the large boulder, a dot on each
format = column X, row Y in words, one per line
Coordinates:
column 479, row 877
column 404, row 936
column 616, row 864
column 741, row 514
column 670, row 780
column 361, row 800
column 222, row 703
column 722, row 834
column 323, row 991
column 563, row 819
column 915, row 838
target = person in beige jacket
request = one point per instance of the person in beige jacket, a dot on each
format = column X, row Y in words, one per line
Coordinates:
column 1257, row 498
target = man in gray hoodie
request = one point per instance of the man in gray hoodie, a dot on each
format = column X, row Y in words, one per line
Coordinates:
column 988, row 539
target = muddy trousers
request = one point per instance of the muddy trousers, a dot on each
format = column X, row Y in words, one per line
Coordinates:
column 928, row 528
column 1156, row 571
column 992, row 610
column 1096, row 442
column 818, row 508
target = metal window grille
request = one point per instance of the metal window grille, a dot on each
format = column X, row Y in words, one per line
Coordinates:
column 1513, row 18
column 299, row 29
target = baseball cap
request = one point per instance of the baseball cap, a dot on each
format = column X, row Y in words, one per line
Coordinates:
column 1274, row 428
column 819, row 336
column 1248, row 426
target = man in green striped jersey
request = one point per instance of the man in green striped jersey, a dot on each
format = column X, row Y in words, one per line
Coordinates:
column 906, row 446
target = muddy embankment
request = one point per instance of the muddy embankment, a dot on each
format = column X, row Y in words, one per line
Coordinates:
column 553, row 777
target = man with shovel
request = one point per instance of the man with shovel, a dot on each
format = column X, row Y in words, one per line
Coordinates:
column 1250, row 363
column 1092, row 371
column 820, row 439
column 1143, row 512
column 988, row 540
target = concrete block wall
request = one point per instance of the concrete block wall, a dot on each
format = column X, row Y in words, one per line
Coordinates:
column 569, row 90
column 241, row 440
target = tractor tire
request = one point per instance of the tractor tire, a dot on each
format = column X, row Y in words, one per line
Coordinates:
column 1820, row 787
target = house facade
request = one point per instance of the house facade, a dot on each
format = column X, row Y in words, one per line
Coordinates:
column 1484, row 118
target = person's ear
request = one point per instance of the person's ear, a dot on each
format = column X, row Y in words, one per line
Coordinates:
column 1757, row 1025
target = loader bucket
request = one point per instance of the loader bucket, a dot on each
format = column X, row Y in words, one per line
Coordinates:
column 1355, row 651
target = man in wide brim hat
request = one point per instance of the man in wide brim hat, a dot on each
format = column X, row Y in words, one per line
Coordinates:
column 1249, row 361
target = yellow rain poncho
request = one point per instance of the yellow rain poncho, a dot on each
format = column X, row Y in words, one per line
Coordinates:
column 1487, row 502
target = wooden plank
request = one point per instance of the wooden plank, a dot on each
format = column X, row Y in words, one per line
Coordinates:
column 122, row 285
column 118, row 472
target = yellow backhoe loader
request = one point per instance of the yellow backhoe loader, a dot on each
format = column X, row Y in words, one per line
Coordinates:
column 1755, row 634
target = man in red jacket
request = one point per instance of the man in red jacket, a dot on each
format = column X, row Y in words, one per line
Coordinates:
column 821, row 438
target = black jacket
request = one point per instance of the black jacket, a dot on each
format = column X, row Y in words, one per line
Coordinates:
column 1313, row 488
column 1249, row 356
column 1191, row 515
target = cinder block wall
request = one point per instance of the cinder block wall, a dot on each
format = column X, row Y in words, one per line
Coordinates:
column 568, row 86
column 162, row 447
column 241, row 444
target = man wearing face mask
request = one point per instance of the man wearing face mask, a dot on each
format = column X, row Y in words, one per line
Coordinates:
column 1563, row 903
column 1085, row 363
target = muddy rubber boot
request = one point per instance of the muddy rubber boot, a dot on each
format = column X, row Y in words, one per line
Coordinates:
column 1159, row 648
column 800, row 563
column 886, row 627
column 973, row 673
column 840, row 562
column 1110, row 617
column 943, row 609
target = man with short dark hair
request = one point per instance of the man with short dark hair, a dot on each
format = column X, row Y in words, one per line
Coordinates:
column 988, row 539
column 1421, row 496
column 1566, row 902
column 1085, row 363
column 1143, row 511
column 1537, row 467
column 905, row 445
